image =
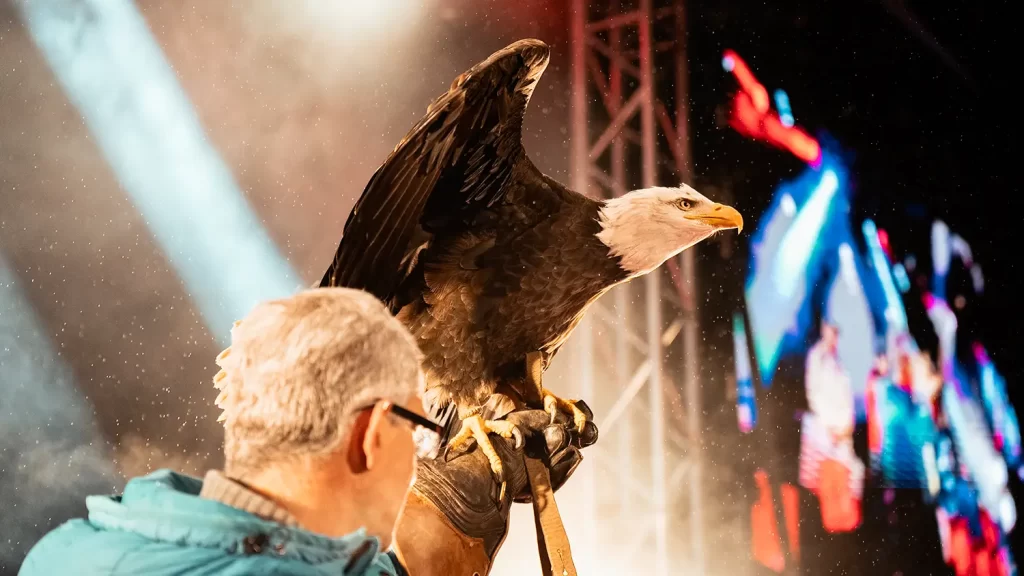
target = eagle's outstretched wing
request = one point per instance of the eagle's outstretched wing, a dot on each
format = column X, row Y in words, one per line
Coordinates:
column 458, row 160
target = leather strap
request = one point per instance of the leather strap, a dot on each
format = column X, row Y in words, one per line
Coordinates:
column 552, row 541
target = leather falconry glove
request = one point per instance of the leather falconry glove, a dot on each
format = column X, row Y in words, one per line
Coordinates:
column 453, row 521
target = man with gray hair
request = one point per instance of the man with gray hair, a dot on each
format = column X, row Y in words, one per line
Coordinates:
column 323, row 427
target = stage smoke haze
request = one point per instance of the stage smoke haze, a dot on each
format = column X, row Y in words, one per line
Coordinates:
column 303, row 103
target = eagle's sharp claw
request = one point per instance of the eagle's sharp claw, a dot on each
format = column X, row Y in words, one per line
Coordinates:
column 553, row 404
column 517, row 437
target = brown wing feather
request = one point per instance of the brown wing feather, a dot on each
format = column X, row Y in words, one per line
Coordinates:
column 447, row 177
column 457, row 160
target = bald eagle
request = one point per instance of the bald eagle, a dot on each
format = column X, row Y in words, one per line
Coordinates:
column 490, row 263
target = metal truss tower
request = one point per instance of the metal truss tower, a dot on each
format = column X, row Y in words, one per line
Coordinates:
column 642, row 494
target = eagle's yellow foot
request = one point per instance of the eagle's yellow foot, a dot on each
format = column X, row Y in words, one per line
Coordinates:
column 552, row 404
column 476, row 428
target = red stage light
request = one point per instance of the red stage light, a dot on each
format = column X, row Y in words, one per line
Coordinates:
column 752, row 117
column 748, row 83
column 883, row 239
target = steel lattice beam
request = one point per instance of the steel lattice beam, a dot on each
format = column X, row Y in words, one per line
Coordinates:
column 658, row 488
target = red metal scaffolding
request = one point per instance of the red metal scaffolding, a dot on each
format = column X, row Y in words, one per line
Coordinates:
column 620, row 129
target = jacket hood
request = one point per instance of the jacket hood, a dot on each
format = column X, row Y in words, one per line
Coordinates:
column 165, row 507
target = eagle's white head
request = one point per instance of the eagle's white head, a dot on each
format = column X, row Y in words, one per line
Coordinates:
column 644, row 228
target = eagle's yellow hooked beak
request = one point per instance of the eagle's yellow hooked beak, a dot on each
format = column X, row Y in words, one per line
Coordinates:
column 718, row 215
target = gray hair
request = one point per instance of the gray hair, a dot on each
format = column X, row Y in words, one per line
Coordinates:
column 298, row 368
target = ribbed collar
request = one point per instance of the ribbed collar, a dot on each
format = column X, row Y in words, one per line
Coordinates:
column 220, row 488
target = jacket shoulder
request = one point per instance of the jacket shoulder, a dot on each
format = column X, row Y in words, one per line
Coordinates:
column 79, row 547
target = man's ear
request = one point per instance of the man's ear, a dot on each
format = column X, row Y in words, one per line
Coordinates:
column 364, row 440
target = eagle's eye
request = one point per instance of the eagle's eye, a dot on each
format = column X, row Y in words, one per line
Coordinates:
column 684, row 204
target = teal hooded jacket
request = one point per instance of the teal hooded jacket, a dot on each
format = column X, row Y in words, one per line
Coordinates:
column 161, row 527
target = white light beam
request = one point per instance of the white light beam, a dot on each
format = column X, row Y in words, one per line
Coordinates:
column 116, row 75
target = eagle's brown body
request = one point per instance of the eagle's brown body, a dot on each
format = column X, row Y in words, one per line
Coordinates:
column 516, row 282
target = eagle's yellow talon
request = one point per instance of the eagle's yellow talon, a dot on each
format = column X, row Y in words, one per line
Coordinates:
column 552, row 404
column 476, row 428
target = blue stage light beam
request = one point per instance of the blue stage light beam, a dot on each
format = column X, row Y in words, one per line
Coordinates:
column 976, row 449
column 111, row 68
column 899, row 273
column 799, row 242
column 746, row 397
column 783, row 254
column 51, row 452
column 782, row 105
column 848, row 307
column 1001, row 413
column 895, row 314
column 768, row 314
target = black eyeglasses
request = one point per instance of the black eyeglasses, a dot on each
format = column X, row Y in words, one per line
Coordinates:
column 427, row 434
column 414, row 418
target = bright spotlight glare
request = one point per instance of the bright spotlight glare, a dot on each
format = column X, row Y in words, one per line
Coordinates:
column 354, row 20
column 788, row 206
